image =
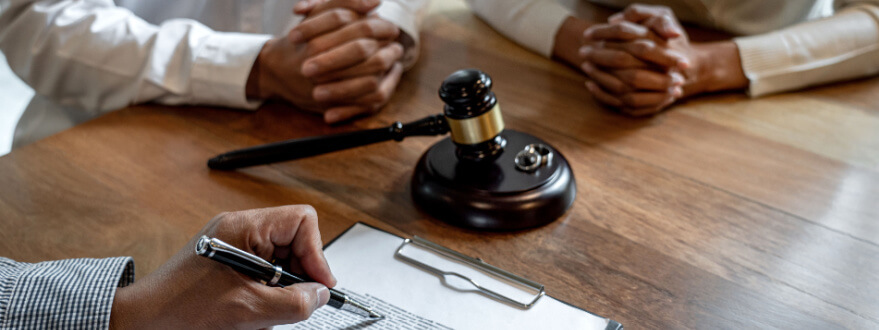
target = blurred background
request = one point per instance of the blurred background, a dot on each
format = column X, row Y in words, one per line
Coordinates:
column 14, row 97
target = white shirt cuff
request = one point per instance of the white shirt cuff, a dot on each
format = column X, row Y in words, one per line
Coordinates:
column 221, row 68
column 408, row 22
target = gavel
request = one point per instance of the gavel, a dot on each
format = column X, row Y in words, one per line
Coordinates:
column 467, row 179
column 471, row 115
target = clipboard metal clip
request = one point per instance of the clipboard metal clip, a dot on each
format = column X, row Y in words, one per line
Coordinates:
column 477, row 264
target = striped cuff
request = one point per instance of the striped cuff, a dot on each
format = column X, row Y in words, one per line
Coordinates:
column 62, row 294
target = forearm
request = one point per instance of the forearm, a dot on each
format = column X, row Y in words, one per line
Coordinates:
column 262, row 82
column 99, row 57
column 719, row 69
column 569, row 39
column 59, row 49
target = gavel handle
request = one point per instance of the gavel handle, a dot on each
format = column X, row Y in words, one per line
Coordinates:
column 318, row 145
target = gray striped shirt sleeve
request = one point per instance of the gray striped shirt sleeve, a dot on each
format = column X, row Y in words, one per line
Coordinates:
column 61, row 294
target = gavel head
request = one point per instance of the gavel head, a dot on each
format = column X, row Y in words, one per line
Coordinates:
column 473, row 115
column 482, row 186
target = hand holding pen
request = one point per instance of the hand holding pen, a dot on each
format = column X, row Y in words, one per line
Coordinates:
column 190, row 291
column 270, row 274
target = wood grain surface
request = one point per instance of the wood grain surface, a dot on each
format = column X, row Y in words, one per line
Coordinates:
column 724, row 212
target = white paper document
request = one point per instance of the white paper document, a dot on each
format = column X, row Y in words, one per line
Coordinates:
column 362, row 259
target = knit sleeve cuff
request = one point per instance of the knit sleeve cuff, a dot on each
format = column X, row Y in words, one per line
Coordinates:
column 841, row 47
column 539, row 34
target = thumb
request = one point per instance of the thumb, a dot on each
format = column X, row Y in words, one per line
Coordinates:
column 297, row 302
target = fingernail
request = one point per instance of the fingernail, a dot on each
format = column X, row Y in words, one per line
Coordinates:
column 585, row 50
column 331, row 117
column 321, row 94
column 295, row 36
column 586, row 67
column 670, row 28
column 678, row 92
column 683, row 63
column 333, row 277
column 590, row 86
column 323, row 296
column 309, row 69
column 319, row 291
column 587, row 34
column 639, row 29
column 677, row 80
column 302, row 6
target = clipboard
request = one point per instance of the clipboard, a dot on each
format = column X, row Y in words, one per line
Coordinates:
column 418, row 282
column 478, row 265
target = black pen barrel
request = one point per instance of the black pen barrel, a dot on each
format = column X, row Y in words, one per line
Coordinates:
column 337, row 299
column 243, row 266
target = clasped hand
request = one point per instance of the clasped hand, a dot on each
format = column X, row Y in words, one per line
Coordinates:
column 340, row 61
column 193, row 292
column 640, row 62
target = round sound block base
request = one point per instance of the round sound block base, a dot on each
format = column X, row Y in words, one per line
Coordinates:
column 493, row 195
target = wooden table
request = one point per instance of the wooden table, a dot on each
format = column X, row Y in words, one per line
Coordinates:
column 724, row 212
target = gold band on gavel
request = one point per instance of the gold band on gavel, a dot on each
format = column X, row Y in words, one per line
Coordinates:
column 477, row 129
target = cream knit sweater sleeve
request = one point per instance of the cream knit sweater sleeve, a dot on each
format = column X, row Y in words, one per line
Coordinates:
column 841, row 47
column 530, row 23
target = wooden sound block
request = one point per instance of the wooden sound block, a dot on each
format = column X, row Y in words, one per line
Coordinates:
column 493, row 195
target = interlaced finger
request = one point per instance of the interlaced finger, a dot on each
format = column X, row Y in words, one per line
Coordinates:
column 321, row 23
column 621, row 31
column 648, row 80
column 344, row 56
column 373, row 28
column 606, row 80
column 611, row 58
column 378, row 63
column 649, row 51
column 347, row 89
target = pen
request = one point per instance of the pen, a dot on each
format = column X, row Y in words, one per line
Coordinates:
column 270, row 274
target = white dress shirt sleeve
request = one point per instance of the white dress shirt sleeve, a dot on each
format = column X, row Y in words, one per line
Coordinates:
column 530, row 23
column 407, row 15
column 94, row 55
column 841, row 47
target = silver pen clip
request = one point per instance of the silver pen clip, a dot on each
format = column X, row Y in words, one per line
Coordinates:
column 208, row 247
